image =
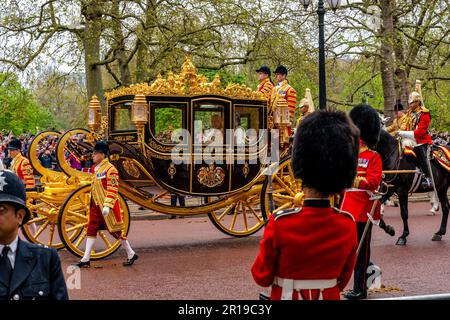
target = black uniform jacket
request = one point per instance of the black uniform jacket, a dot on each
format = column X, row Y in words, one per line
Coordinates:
column 37, row 275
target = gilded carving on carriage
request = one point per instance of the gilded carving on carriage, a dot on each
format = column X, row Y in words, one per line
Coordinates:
column 131, row 168
column 211, row 176
column 172, row 170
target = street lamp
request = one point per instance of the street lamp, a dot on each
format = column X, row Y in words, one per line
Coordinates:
column 334, row 4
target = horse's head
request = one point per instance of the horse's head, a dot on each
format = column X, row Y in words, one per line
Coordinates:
column 387, row 147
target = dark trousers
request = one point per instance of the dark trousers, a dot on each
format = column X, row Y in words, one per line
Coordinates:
column 421, row 153
column 173, row 200
column 363, row 259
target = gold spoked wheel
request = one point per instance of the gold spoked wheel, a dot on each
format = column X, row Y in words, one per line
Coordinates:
column 242, row 217
column 287, row 191
column 41, row 228
column 74, row 218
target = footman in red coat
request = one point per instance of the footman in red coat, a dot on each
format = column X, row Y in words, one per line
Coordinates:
column 309, row 252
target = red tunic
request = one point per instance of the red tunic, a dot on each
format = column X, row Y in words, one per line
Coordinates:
column 313, row 244
column 356, row 201
column 421, row 132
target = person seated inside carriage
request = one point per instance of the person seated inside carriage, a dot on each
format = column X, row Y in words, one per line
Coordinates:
column 215, row 133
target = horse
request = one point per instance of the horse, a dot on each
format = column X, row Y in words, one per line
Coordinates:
column 403, row 184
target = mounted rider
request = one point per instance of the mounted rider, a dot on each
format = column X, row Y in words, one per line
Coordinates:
column 418, row 132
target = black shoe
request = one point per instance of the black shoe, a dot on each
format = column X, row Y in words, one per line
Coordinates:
column 129, row 262
column 355, row 295
column 172, row 217
column 83, row 264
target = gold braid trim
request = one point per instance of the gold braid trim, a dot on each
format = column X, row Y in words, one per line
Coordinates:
column 357, row 181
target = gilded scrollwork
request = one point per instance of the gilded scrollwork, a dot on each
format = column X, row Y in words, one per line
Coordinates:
column 186, row 83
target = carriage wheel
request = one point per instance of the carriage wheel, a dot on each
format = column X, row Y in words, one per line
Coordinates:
column 287, row 191
column 242, row 217
column 40, row 229
column 74, row 218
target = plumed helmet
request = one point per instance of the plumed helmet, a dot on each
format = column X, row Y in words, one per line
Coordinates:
column 102, row 146
column 414, row 96
column 325, row 151
column 15, row 144
column 368, row 122
column 12, row 190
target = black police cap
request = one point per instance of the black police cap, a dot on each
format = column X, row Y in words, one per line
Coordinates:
column 281, row 69
column 12, row 190
column 15, row 144
column 102, row 146
column 264, row 69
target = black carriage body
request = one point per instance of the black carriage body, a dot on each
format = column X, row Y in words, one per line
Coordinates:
column 181, row 161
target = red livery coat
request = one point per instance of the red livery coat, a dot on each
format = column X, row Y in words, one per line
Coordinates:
column 356, row 201
column 265, row 87
column 22, row 167
column 313, row 244
column 109, row 177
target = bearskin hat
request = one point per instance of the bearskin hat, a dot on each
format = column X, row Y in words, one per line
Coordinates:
column 368, row 121
column 102, row 146
column 325, row 151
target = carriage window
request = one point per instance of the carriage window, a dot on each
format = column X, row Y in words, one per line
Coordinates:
column 245, row 119
column 209, row 123
column 167, row 120
column 122, row 117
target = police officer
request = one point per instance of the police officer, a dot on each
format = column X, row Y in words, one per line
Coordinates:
column 20, row 164
column 104, row 201
column 27, row 271
column 357, row 200
column 309, row 252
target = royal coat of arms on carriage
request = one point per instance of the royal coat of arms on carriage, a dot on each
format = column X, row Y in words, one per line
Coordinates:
column 211, row 176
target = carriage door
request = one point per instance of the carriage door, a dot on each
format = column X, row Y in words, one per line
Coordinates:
column 209, row 169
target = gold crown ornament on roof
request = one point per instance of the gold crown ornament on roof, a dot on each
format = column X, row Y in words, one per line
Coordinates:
column 187, row 83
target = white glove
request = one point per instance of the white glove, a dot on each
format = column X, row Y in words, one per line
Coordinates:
column 406, row 134
column 105, row 211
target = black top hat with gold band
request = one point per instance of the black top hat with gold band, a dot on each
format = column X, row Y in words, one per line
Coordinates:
column 102, row 146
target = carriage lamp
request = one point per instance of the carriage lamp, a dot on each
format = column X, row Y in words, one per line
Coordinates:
column 139, row 110
column 139, row 115
column 94, row 114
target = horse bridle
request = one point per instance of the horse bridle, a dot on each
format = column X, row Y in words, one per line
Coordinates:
column 397, row 162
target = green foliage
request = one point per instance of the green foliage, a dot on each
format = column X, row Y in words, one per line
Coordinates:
column 226, row 76
column 18, row 109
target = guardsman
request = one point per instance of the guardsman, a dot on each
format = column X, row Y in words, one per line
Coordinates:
column 105, row 205
column 309, row 252
column 285, row 91
column 357, row 200
column 265, row 85
column 27, row 271
column 20, row 165
column 419, row 133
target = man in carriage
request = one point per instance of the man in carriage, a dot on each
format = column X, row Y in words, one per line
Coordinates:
column 265, row 85
column 105, row 205
column 309, row 252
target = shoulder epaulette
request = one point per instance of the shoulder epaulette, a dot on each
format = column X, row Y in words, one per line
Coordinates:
column 286, row 212
column 345, row 213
